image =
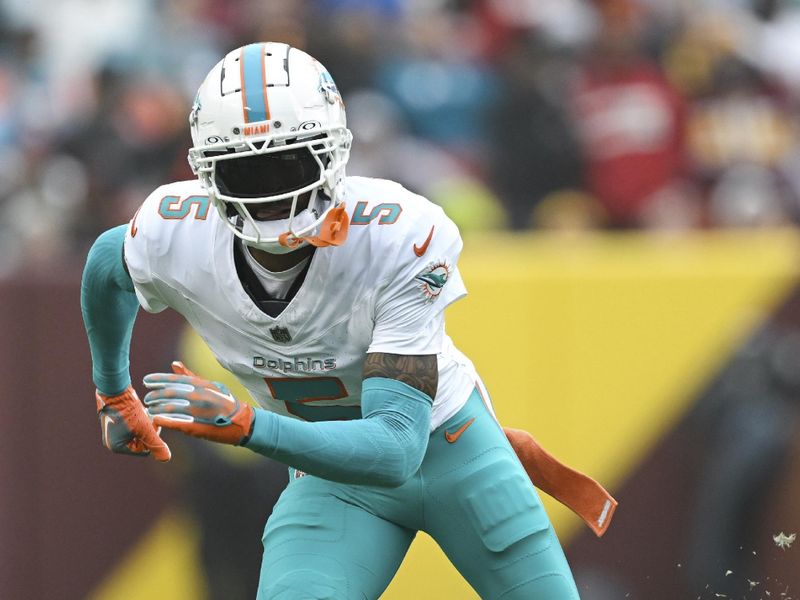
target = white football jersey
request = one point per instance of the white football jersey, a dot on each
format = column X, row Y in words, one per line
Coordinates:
column 383, row 290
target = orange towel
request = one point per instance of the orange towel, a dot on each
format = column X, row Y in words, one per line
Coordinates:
column 587, row 498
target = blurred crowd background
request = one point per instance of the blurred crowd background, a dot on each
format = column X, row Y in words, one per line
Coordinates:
column 559, row 114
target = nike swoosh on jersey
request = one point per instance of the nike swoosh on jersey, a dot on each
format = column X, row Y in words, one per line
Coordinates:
column 134, row 229
column 420, row 250
column 453, row 437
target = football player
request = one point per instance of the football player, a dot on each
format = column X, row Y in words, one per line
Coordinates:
column 325, row 296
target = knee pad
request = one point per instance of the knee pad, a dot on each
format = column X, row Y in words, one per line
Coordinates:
column 305, row 584
column 503, row 507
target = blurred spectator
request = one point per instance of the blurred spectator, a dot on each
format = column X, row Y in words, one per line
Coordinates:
column 351, row 45
column 133, row 143
column 382, row 146
column 630, row 118
column 384, row 8
column 768, row 38
column 740, row 132
column 569, row 211
column 748, row 196
column 562, row 23
column 442, row 91
column 534, row 150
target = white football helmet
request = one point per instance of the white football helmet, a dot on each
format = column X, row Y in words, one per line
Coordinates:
column 268, row 131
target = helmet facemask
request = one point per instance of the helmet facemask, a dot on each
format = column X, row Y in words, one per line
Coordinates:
column 243, row 181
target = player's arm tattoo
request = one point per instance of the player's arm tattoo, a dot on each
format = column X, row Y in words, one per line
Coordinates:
column 421, row 372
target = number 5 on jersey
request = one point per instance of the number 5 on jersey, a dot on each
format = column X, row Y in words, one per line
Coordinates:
column 175, row 207
column 301, row 394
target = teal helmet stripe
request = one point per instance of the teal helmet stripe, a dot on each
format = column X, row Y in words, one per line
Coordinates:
column 254, row 85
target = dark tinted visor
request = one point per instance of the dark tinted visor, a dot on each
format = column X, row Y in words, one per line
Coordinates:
column 266, row 174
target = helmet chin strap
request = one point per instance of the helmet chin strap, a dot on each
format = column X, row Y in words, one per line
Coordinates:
column 271, row 248
column 332, row 231
column 264, row 234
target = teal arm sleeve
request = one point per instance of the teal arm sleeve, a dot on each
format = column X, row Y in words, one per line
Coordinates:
column 109, row 306
column 385, row 447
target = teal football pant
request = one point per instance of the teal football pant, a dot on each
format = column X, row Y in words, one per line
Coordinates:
column 336, row 541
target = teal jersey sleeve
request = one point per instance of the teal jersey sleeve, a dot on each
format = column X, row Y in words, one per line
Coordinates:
column 385, row 447
column 109, row 306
